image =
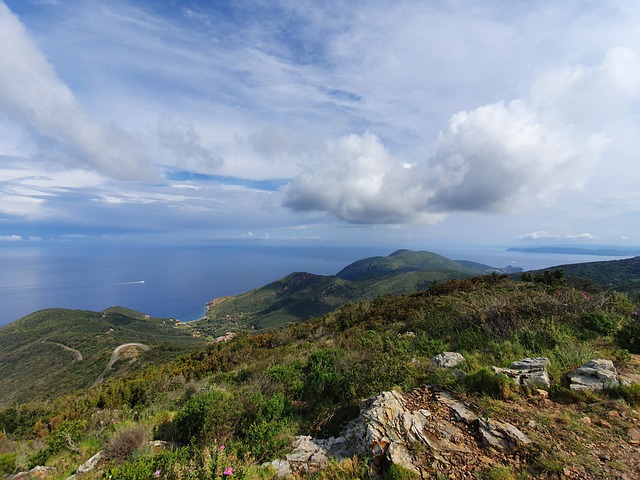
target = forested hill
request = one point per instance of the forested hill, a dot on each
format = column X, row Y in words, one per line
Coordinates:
column 619, row 275
column 301, row 295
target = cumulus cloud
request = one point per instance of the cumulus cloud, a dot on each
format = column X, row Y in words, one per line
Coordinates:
column 33, row 93
column 359, row 181
column 495, row 158
column 498, row 156
column 10, row 238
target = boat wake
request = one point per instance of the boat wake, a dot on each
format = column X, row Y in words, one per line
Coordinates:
column 126, row 283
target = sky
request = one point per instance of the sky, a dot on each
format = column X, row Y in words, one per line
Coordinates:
column 400, row 122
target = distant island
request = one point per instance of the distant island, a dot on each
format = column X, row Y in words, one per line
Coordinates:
column 605, row 252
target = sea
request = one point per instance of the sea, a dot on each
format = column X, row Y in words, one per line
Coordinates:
column 178, row 281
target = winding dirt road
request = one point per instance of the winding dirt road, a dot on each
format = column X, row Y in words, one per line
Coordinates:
column 77, row 353
column 115, row 356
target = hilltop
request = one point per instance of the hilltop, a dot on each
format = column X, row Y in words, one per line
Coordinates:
column 260, row 394
column 301, row 295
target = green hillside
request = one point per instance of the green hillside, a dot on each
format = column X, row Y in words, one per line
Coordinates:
column 300, row 296
column 59, row 350
column 238, row 404
column 620, row 275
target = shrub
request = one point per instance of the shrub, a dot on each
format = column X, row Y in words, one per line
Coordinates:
column 630, row 393
column 485, row 382
column 600, row 322
column 397, row 472
column 288, row 377
column 7, row 463
column 64, row 437
column 628, row 337
column 205, row 418
column 125, row 441
column 324, row 376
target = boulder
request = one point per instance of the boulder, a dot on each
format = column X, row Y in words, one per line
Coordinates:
column 423, row 431
column 596, row 374
column 528, row 371
column 447, row 359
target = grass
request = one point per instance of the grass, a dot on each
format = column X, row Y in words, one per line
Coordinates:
column 256, row 391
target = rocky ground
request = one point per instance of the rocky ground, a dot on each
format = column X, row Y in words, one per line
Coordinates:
column 436, row 434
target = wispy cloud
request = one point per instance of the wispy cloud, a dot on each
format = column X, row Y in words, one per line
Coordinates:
column 32, row 93
column 426, row 117
column 544, row 235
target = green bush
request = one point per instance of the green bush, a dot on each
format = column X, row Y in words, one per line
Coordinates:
column 325, row 379
column 7, row 463
column 206, row 418
column 64, row 437
column 600, row 322
column 486, row 382
column 288, row 377
column 628, row 337
column 397, row 472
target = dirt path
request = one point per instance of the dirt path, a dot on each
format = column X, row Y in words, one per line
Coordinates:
column 77, row 353
column 115, row 356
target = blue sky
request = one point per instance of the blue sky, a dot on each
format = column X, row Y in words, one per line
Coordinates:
column 407, row 123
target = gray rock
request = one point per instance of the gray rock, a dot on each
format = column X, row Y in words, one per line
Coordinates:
column 447, row 359
column 596, row 374
column 500, row 435
column 35, row 472
column 387, row 432
column 90, row 464
column 528, row 371
column 282, row 467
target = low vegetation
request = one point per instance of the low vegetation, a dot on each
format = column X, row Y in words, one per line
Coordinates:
column 226, row 409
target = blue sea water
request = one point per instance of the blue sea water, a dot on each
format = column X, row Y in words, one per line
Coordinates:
column 178, row 281
column 174, row 281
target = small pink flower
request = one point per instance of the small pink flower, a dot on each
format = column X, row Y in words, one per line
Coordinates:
column 101, row 422
column 228, row 471
column 221, row 448
column 157, row 473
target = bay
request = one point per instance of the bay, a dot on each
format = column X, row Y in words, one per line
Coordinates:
column 162, row 281
column 178, row 281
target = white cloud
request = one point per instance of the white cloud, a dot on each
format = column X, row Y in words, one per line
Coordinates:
column 495, row 158
column 544, row 235
column 359, row 181
column 499, row 156
column 10, row 238
column 33, row 93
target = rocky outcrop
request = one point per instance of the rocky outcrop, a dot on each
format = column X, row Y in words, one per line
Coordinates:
column 596, row 374
column 528, row 371
column 425, row 431
column 87, row 466
column 447, row 359
column 39, row 472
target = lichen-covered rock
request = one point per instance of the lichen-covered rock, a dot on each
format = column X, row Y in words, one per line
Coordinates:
column 528, row 371
column 423, row 431
column 596, row 374
column 447, row 359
